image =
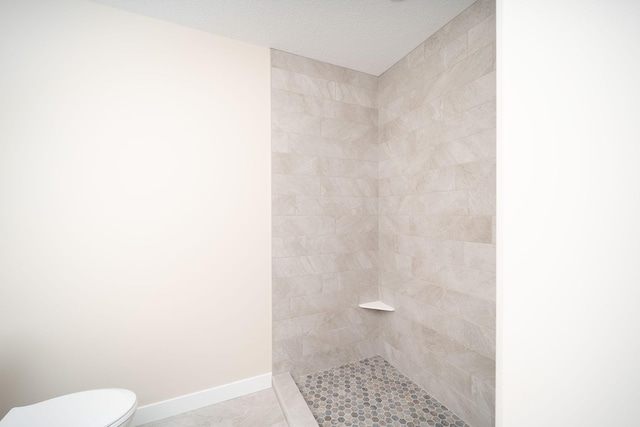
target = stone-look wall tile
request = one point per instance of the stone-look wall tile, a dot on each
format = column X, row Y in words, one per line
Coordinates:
column 349, row 112
column 286, row 185
column 332, row 186
column 325, row 341
column 290, row 102
column 385, row 187
column 482, row 34
column 282, row 142
column 356, row 224
column 303, row 225
column 287, row 349
column 337, row 244
column 302, row 84
column 465, row 150
column 348, row 168
column 294, row 164
column 428, row 181
column 449, row 381
column 483, row 395
column 476, row 174
column 480, row 256
column 283, row 205
column 296, row 286
column 469, row 281
column 282, row 121
column 342, row 130
column 471, row 95
column 438, row 203
column 437, row 179
column 316, row 205
column 325, row 207
column 288, row 246
column 356, row 95
column 482, row 201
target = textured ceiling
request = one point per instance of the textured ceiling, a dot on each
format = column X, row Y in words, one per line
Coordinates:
column 364, row 35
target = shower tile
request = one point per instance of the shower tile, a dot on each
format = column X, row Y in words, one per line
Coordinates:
column 302, row 84
column 287, row 349
column 294, row 164
column 355, row 95
column 348, row 168
column 303, row 225
column 349, row 112
column 469, row 69
column 356, row 224
column 482, row 200
column 297, row 286
column 482, row 34
column 305, row 124
column 454, row 52
column 481, row 145
column 296, row 103
column 470, row 122
column 292, row 267
column 335, row 205
column 481, row 173
column 470, row 95
column 472, row 282
column 280, row 308
column 480, row 256
column 349, row 187
column 283, row 205
column 343, row 130
column 324, row 341
column 282, row 247
column 371, row 392
column 484, row 395
column 290, row 185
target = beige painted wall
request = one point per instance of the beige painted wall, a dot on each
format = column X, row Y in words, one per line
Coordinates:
column 135, row 200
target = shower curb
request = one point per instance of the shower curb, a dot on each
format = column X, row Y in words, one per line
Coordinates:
column 294, row 408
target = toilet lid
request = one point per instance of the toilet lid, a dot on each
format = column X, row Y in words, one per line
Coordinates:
column 93, row 408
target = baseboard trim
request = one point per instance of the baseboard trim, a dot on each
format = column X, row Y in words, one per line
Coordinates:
column 189, row 402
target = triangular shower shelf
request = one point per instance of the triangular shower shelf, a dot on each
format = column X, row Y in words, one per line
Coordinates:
column 377, row 305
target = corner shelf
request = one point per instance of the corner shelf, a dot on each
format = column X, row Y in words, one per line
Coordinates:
column 377, row 305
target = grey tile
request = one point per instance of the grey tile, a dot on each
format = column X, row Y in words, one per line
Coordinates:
column 371, row 393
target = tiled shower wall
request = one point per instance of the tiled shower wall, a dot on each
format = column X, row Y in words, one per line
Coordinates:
column 325, row 214
column 437, row 191
column 385, row 187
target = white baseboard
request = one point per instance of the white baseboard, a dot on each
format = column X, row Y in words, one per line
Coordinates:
column 168, row 408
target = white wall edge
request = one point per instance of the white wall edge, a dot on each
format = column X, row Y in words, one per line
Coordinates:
column 189, row 402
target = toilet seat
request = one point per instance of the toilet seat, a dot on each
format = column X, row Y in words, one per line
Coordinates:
column 93, row 408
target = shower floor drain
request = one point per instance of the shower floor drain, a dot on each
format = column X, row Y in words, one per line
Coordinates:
column 371, row 393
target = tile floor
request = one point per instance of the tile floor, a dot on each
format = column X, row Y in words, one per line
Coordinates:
column 371, row 393
column 259, row 409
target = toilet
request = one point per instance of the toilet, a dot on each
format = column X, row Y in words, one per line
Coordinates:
column 110, row 407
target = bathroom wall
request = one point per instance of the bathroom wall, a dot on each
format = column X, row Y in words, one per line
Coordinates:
column 135, row 194
column 568, row 239
column 437, row 131
column 325, row 206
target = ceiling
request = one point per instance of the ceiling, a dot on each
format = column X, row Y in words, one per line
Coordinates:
column 364, row 35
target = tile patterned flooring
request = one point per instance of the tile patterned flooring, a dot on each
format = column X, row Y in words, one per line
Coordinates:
column 371, row 393
column 259, row 409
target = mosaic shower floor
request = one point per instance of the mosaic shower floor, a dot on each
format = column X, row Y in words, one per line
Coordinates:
column 371, row 393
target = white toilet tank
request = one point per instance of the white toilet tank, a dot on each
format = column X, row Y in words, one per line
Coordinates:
column 111, row 407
